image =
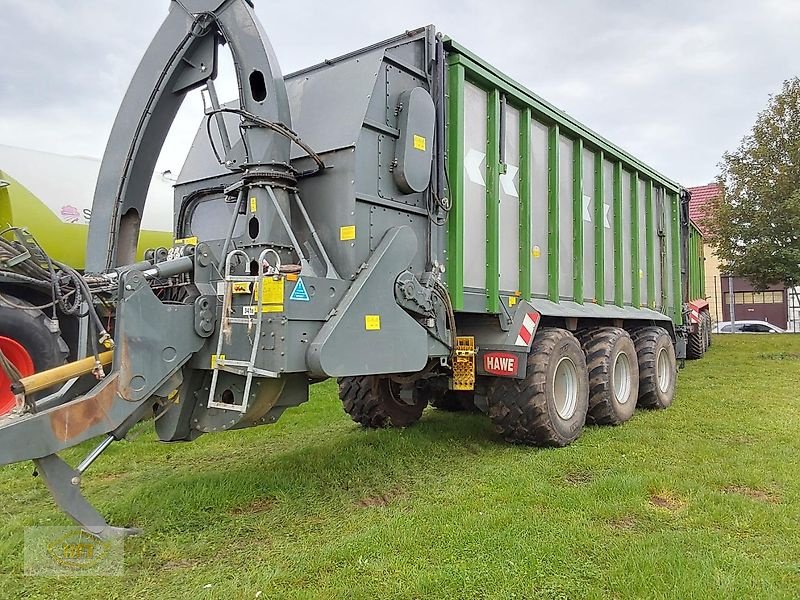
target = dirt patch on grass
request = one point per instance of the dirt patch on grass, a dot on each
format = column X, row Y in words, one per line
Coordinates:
column 578, row 478
column 623, row 523
column 753, row 493
column 780, row 355
column 667, row 501
column 180, row 564
column 256, row 506
column 380, row 500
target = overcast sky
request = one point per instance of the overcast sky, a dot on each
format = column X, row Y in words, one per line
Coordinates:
column 676, row 83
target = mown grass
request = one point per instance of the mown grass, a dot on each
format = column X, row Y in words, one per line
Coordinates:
column 700, row 501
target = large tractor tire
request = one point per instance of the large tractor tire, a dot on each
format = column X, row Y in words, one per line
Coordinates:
column 27, row 342
column 658, row 368
column 376, row 402
column 454, row 401
column 548, row 407
column 705, row 319
column 613, row 375
column 696, row 343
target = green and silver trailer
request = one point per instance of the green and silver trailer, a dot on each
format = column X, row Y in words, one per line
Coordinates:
column 404, row 218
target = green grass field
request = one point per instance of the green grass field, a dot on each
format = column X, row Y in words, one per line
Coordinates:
column 699, row 501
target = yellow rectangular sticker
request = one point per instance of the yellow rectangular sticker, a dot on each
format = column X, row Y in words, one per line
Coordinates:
column 189, row 241
column 512, row 300
column 347, row 232
column 253, row 204
column 271, row 308
column 273, row 291
column 241, row 287
column 419, row 142
column 372, row 322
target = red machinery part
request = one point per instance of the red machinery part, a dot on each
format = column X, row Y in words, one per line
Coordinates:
column 19, row 357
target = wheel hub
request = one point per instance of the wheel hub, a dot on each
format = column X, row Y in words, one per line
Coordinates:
column 565, row 388
column 622, row 378
column 18, row 356
column 662, row 370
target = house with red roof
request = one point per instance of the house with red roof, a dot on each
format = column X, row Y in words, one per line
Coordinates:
column 771, row 305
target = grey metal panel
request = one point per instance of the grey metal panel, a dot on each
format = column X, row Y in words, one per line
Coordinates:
column 538, row 209
column 608, row 224
column 588, row 225
column 566, row 277
column 328, row 103
column 509, row 205
column 412, row 172
column 643, row 274
column 658, row 224
column 566, row 308
column 475, row 105
column 627, row 258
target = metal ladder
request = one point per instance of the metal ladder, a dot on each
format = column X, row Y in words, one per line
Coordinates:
column 241, row 367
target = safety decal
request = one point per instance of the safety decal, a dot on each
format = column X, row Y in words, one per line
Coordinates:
column 419, row 142
column 253, row 205
column 300, row 292
column 372, row 322
column 347, row 233
column 527, row 330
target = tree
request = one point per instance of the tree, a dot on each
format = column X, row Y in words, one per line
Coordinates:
column 755, row 222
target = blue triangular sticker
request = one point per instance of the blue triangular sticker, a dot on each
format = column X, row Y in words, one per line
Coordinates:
column 299, row 292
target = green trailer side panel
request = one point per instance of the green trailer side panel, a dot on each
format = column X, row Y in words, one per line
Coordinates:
column 455, row 170
column 577, row 219
column 586, row 223
column 650, row 245
column 635, row 269
column 493, row 203
column 677, row 297
column 492, row 77
column 618, row 279
column 525, row 187
column 599, row 231
column 553, row 240
column 696, row 264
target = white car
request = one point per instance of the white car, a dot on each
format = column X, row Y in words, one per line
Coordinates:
column 747, row 327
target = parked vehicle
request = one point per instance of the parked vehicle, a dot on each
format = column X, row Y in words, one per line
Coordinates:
column 747, row 327
column 405, row 218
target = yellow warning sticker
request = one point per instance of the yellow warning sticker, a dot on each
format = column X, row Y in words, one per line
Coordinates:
column 372, row 322
column 253, row 204
column 347, row 232
column 419, row 142
column 272, row 292
column 536, row 252
column 189, row 241
column 215, row 358
column 241, row 287
column 512, row 300
column 271, row 308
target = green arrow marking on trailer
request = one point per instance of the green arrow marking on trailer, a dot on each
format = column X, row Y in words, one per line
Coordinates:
column 299, row 292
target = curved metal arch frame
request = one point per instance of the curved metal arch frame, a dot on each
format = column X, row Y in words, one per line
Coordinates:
column 181, row 57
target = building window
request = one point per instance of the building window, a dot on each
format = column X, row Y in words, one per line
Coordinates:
column 769, row 297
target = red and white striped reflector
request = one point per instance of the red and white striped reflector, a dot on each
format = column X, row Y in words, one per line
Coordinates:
column 529, row 323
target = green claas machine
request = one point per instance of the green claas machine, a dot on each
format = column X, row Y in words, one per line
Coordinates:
column 404, row 218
